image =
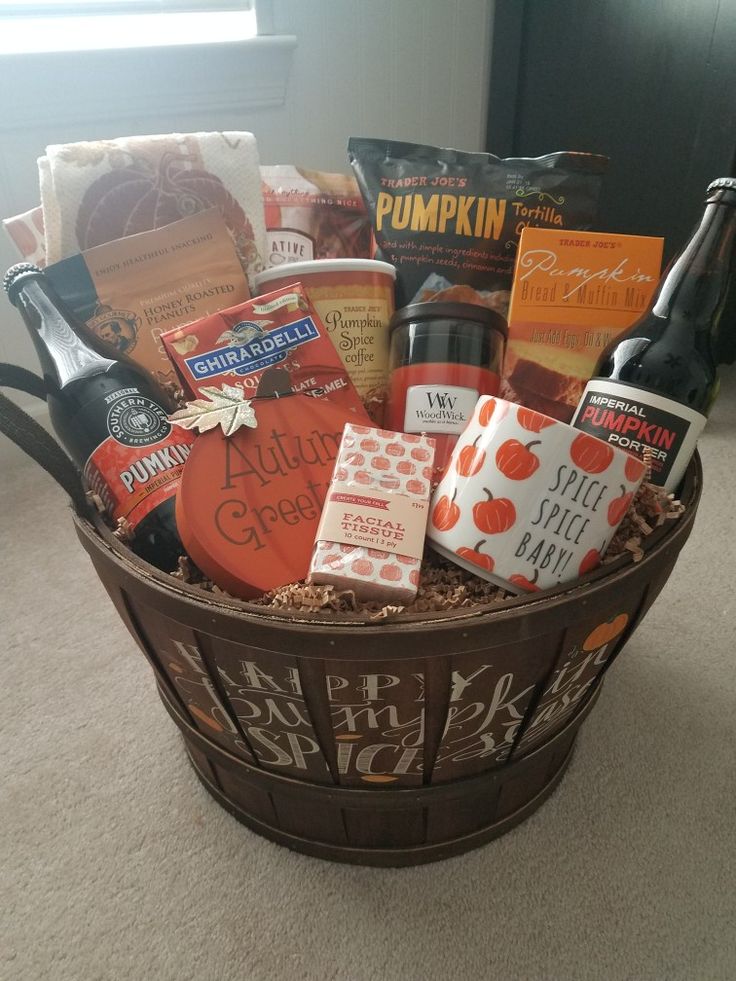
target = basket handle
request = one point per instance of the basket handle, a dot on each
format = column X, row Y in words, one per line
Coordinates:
column 32, row 438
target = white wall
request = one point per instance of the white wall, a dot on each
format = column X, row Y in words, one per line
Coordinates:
column 400, row 69
column 409, row 69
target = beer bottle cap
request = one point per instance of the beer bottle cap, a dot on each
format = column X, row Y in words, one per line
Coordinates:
column 16, row 274
column 727, row 183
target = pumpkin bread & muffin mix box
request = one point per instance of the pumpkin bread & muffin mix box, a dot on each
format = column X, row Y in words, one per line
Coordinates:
column 573, row 293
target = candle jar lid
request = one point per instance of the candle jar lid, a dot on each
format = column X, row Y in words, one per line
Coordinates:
column 463, row 333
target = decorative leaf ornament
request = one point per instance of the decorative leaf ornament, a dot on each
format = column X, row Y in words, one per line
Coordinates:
column 226, row 407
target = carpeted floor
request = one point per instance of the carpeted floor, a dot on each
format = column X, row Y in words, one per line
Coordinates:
column 117, row 865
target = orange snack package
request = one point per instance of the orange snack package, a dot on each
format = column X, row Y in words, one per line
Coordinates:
column 573, row 293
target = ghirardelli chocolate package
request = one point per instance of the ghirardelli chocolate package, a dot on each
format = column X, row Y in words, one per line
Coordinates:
column 128, row 292
column 450, row 221
column 279, row 330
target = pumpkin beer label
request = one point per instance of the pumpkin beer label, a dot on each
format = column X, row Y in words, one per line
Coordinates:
column 133, row 469
column 636, row 420
column 135, row 420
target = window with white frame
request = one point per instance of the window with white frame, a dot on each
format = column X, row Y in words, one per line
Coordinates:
column 37, row 8
column 61, row 25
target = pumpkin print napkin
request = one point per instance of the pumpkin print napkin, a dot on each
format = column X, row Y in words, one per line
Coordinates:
column 26, row 233
column 95, row 192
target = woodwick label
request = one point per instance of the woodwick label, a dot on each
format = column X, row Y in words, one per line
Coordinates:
column 438, row 408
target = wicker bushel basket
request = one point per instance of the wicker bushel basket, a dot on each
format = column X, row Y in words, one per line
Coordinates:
column 381, row 743
column 384, row 743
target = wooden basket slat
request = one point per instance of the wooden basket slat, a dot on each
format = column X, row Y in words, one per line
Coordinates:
column 490, row 692
column 316, row 820
column 437, row 690
column 377, row 716
column 204, row 645
column 314, row 689
column 520, row 789
column 580, row 660
column 181, row 661
column 452, row 819
column 385, row 829
column 200, row 761
column 264, row 693
column 260, row 801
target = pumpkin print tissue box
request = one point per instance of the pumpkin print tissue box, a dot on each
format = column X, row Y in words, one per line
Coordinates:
column 371, row 535
column 527, row 501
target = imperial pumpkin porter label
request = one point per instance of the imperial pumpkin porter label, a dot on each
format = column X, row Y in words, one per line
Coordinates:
column 636, row 420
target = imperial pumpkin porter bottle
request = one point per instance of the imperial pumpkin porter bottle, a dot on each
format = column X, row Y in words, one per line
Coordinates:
column 109, row 418
column 655, row 384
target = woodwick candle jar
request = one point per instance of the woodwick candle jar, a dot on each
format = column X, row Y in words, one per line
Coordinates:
column 443, row 357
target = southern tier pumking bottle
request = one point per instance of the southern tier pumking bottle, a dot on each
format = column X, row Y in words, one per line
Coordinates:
column 655, row 384
column 109, row 418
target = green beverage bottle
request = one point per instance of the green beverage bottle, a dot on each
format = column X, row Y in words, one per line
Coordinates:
column 656, row 382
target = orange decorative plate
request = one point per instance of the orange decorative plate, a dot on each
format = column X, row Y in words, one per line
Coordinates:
column 249, row 504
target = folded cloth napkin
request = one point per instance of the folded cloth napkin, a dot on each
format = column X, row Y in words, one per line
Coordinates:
column 99, row 191
column 26, row 232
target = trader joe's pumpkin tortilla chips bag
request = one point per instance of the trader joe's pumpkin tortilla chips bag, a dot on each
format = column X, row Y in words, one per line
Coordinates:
column 450, row 221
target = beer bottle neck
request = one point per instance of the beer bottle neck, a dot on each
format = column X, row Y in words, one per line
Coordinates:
column 695, row 288
column 64, row 356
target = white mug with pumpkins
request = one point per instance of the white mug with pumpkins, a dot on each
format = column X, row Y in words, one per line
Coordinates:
column 527, row 501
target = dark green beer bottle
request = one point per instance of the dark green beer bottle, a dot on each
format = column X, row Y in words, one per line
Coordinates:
column 656, row 383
